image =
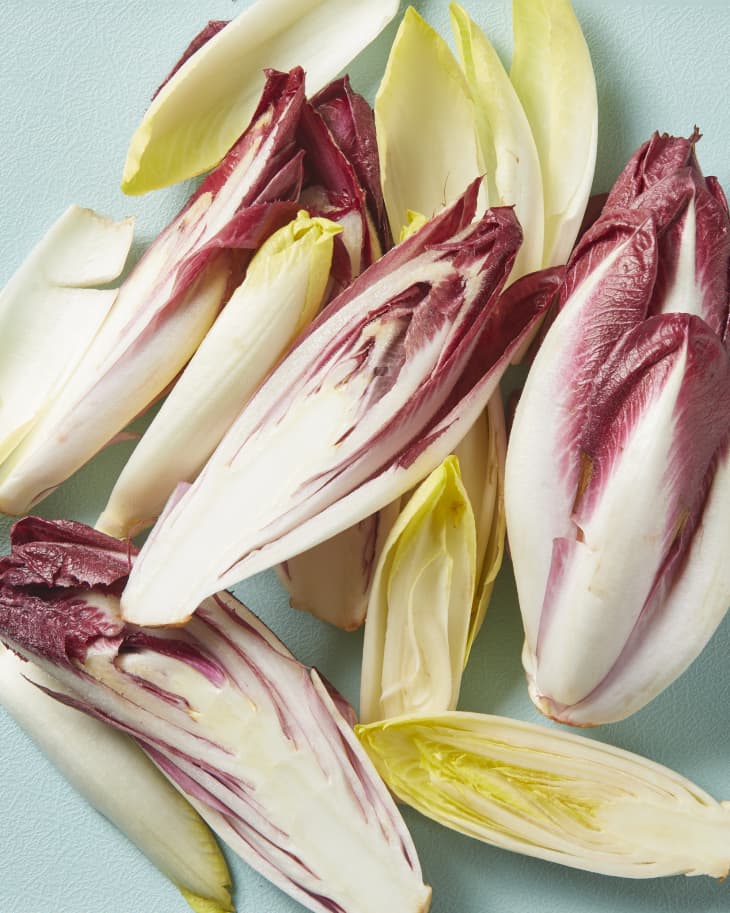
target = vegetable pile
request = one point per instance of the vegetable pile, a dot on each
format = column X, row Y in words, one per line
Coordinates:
column 328, row 321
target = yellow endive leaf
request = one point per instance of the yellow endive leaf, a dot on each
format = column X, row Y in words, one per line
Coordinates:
column 424, row 117
column 553, row 75
column 202, row 110
column 551, row 794
column 507, row 147
column 419, row 613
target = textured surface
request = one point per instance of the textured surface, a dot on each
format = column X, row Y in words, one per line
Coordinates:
column 74, row 81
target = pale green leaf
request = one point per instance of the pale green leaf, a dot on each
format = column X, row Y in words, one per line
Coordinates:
column 419, row 613
column 424, row 119
column 50, row 312
column 553, row 75
column 481, row 454
column 199, row 114
column 509, row 156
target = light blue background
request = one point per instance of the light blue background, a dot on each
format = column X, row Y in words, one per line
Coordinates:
column 75, row 78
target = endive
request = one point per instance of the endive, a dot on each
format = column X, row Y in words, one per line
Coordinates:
column 372, row 397
column 255, row 740
column 169, row 301
column 551, row 794
column 333, row 580
column 135, row 797
column 204, row 106
column 423, row 103
column 618, row 468
column 50, row 311
column 553, row 76
column 419, row 614
column 283, row 290
column 507, row 149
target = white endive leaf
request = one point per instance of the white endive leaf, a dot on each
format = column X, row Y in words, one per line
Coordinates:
column 510, row 161
column 283, row 290
column 110, row 771
column 419, row 614
column 50, row 312
column 332, row 581
column 553, row 75
column 203, row 109
column 425, row 124
column 551, row 794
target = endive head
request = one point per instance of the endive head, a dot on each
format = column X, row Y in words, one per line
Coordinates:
column 614, row 528
column 390, row 372
column 551, row 794
column 646, row 478
column 419, row 615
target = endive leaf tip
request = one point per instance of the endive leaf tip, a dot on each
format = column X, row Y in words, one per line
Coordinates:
column 208, row 904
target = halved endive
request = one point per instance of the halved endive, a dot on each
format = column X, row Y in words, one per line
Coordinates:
column 256, row 741
column 420, row 611
column 551, row 794
column 50, row 311
column 169, row 301
column 284, row 287
column 202, row 108
column 372, row 397
column 136, row 797
column 618, row 467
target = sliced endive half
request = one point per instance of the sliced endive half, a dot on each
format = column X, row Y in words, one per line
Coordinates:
column 136, row 797
column 256, row 741
column 551, row 794
column 419, row 614
column 508, row 152
column 204, row 107
column 284, row 287
column 50, row 311
column 553, row 76
column 424, row 117
column 169, row 301
column 369, row 401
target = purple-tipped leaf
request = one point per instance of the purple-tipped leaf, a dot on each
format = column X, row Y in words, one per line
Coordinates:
column 396, row 369
column 351, row 122
column 170, row 299
column 251, row 737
